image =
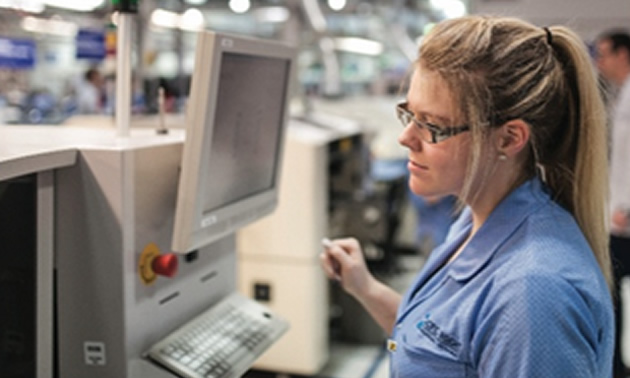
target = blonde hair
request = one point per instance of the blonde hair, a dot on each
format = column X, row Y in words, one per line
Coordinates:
column 500, row 69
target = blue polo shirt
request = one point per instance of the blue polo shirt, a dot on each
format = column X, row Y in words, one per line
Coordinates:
column 525, row 298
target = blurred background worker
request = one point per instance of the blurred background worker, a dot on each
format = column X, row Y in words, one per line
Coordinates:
column 91, row 93
column 613, row 62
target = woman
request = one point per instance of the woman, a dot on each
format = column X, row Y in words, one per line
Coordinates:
column 507, row 117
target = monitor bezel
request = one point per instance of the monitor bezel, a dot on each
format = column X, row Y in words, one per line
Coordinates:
column 193, row 227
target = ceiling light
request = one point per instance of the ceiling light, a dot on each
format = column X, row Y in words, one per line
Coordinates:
column 239, row 6
column 450, row 8
column 192, row 20
column 164, row 18
column 49, row 26
column 336, row 5
column 31, row 6
column 272, row 14
column 77, row 5
column 359, row 45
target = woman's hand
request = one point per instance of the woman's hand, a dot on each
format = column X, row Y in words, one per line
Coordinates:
column 342, row 260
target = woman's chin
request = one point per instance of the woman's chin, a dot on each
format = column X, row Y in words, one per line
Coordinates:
column 419, row 188
column 423, row 189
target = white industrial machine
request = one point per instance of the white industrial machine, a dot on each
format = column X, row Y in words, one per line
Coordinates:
column 278, row 261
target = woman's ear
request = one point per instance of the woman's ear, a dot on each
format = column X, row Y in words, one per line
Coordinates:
column 512, row 137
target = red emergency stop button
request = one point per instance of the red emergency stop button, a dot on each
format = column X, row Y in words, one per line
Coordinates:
column 152, row 263
column 165, row 264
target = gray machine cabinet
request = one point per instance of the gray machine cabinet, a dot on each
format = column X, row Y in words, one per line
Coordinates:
column 108, row 207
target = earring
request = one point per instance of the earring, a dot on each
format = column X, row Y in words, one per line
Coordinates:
column 502, row 157
column 541, row 172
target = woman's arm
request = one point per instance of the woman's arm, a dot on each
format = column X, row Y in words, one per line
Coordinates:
column 343, row 261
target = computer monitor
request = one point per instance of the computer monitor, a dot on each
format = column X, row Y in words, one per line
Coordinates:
column 236, row 119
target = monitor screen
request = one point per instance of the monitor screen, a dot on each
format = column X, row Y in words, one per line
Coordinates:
column 244, row 148
column 234, row 137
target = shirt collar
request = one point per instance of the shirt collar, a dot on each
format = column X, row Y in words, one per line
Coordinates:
column 498, row 228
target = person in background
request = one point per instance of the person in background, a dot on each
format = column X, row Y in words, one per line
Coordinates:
column 613, row 62
column 91, row 93
column 508, row 117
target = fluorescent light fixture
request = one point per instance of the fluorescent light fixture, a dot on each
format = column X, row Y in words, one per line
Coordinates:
column 77, row 5
column 192, row 20
column 336, row 5
column 358, row 45
column 239, row 6
column 450, row 8
column 49, row 26
column 38, row 6
column 31, row 6
column 272, row 14
column 165, row 19
column 195, row 2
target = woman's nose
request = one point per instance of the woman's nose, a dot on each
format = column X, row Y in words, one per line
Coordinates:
column 408, row 139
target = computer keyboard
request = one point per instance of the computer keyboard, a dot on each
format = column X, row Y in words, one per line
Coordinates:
column 224, row 341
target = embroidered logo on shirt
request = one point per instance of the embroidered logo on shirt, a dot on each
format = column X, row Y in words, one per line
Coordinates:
column 440, row 338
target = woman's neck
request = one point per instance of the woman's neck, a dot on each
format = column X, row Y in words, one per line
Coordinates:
column 493, row 192
column 481, row 208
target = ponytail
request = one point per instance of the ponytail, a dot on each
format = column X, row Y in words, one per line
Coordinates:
column 587, row 115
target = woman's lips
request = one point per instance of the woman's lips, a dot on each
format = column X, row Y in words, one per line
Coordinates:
column 415, row 167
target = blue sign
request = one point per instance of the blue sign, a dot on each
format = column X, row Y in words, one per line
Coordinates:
column 90, row 44
column 17, row 53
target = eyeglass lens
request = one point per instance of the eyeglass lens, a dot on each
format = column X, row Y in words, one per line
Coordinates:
column 407, row 117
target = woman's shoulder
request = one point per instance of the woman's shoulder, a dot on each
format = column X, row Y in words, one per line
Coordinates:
column 550, row 247
column 553, row 232
column 548, row 271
